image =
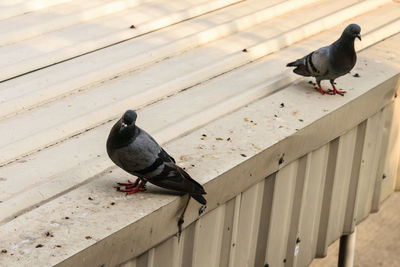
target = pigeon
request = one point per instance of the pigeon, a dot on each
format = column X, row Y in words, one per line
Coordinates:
column 137, row 153
column 330, row 62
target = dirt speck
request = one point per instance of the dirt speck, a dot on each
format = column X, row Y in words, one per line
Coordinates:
column 66, row 217
column 243, row 155
column 219, row 139
column 90, row 198
column 4, row 250
column 244, row 50
column 112, row 203
column 281, row 160
column 39, row 246
column 49, row 234
column 282, row 105
column 88, row 237
column 58, row 246
column 228, row 139
column 132, row 27
column 3, row 179
column 356, row 75
column 301, row 120
column 294, row 113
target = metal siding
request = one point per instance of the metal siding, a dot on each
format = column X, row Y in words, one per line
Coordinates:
column 130, row 263
column 392, row 156
column 265, row 218
column 385, row 129
column 368, row 167
column 280, row 215
column 208, row 235
column 296, row 208
column 327, row 198
column 344, row 163
column 387, row 185
column 311, row 205
column 349, row 220
column 249, row 217
column 142, row 260
column 227, row 233
column 166, row 254
column 187, row 240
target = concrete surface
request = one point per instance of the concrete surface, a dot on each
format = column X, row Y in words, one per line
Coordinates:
column 378, row 239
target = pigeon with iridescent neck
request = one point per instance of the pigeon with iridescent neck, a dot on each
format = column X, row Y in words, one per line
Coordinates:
column 330, row 62
column 136, row 152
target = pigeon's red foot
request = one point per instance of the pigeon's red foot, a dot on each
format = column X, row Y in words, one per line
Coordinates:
column 132, row 188
column 322, row 91
column 130, row 183
column 336, row 91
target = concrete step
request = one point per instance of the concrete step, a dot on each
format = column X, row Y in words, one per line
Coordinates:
column 197, row 106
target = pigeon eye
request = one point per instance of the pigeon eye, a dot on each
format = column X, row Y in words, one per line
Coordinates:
column 353, row 30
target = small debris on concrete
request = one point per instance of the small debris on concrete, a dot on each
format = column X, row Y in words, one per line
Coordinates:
column 66, row 217
column 243, row 155
column 88, row 237
column 276, row 116
column 39, row 246
column 282, row 105
column 90, row 198
column 112, row 203
column 132, row 26
column 4, row 250
column 356, row 75
column 48, row 234
column 244, row 50
column 204, row 135
column 58, row 246
column 219, row 139
column 281, row 160
column 228, row 139
column 301, row 120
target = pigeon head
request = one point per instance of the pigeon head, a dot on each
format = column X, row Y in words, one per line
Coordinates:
column 129, row 118
column 352, row 31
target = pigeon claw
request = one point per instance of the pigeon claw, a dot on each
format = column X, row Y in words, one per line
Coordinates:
column 322, row 91
column 336, row 91
column 130, row 183
column 133, row 189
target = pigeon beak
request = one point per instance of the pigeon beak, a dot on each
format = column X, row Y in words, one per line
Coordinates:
column 358, row 36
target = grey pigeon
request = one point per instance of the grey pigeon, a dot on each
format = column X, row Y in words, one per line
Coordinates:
column 136, row 152
column 330, row 62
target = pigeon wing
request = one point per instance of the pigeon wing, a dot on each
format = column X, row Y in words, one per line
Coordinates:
column 314, row 64
column 175, row 178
